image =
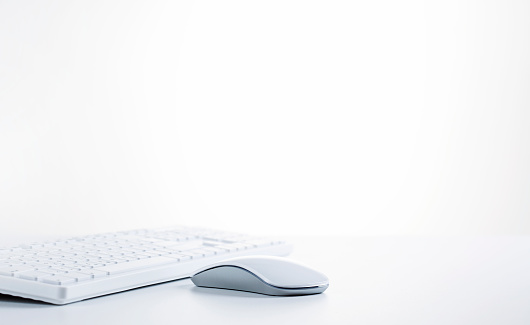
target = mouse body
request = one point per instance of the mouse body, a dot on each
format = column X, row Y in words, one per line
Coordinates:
column 267, row 275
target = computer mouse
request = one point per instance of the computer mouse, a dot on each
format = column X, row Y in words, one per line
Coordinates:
column 275, row 276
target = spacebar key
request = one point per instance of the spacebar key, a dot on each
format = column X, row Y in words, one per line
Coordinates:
column 136, row 265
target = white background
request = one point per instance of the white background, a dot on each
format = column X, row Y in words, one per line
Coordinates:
column 277, row 117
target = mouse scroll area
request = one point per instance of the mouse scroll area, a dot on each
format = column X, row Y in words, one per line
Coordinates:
column 237, row 278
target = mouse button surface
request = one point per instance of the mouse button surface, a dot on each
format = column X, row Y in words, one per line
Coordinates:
column 228, row 277
column 281, row 272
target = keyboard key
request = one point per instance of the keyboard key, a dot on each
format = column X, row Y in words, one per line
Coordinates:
column 233, row 247
column 6, row 263
column 58, row 279
column 192, row 254
column 259, row 242
column 215, row 250
column 203, row 252
column 78, row 276
column 94, row 273
column 136, row 265
column 34, row 275
column 13, row 270
column 180, row 257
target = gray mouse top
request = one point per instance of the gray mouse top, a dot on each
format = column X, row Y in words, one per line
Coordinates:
column 262, row 274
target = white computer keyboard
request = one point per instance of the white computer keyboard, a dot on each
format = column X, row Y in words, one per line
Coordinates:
column 74, row 269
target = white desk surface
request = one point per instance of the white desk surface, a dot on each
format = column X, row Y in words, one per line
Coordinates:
column 373, row 280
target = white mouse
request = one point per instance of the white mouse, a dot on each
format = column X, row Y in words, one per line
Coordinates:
column 267, row 275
